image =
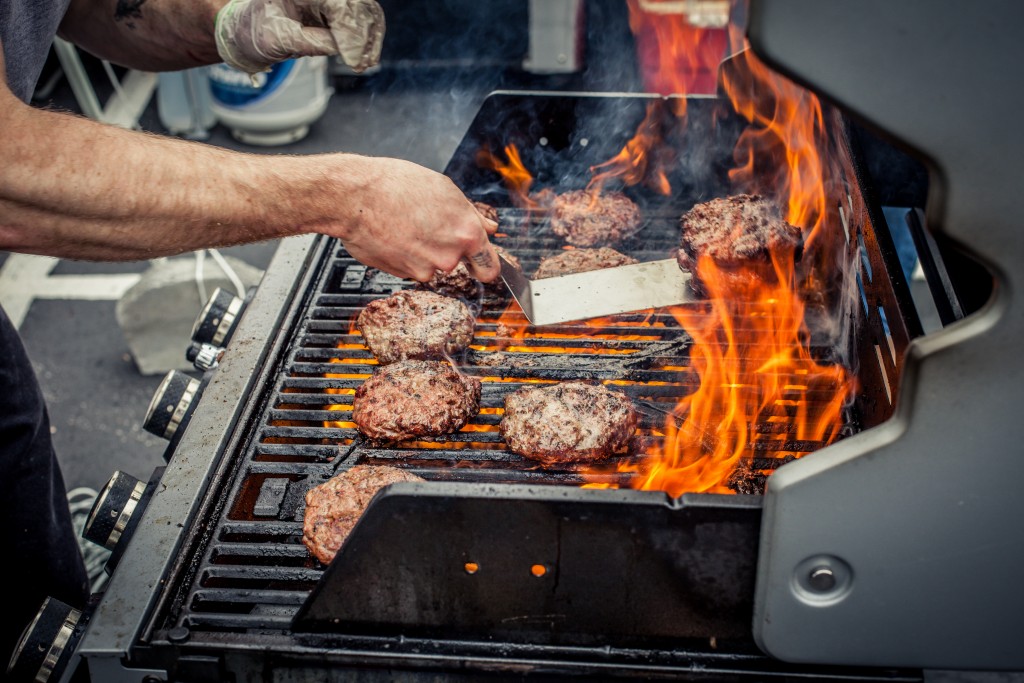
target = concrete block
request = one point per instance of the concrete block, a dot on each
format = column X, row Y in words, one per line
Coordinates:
column 156, row 315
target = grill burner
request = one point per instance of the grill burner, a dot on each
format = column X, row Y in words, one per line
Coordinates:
column 629, row 582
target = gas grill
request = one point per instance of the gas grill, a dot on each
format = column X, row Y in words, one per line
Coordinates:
column 494, row 563
column 495, row 567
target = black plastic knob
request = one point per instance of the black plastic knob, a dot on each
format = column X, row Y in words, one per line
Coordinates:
column 117, row 502
column 218, row 319
column 117, row 512
column 170, row 404
column 46, row 644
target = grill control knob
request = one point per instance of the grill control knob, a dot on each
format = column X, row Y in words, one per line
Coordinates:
column 170, row 405
column 216, row 322
column 117, row 512
column 46, row 644
column 108, row 520
column 204, row 356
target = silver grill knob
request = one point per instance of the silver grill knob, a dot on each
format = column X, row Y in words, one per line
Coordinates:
column 46, row 644
column 216, row 322
column 170, row 404
column 204, row 356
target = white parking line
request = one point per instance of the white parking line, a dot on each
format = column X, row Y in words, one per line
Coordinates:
column 25, row 278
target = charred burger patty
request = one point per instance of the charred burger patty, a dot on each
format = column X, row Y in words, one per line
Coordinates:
column 486, row 210
column 334, row 507
column 568, row 422
column 414, row 398
column 739, row 234
column 588, row 219
column 581, row 261
column 415, row 324
column 460, row 283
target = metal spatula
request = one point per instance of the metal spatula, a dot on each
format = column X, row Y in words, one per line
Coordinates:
column 598, row 293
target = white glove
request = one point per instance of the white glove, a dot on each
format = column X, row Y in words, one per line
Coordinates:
column 253, row 35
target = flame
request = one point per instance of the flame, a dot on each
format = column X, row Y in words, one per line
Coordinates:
column 643, row 159
column 751, row 351
column 787, row 125
column 711, row 429
column 676, row 57
column 343, row 424
column 517, row 178
column 512, row 326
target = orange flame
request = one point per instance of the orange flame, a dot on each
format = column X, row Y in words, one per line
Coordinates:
column 755, row 367
column 676, row 58
column 752, row 351
column 642, row 160
column 342, row 424
column 517, row 178
column 787, row 125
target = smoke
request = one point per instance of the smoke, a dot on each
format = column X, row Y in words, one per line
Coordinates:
column 440, row 61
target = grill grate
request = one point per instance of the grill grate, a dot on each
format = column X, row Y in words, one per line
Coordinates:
column 256, row 573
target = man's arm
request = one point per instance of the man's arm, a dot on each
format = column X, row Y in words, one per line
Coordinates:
column 152, row 35
column 74, row 188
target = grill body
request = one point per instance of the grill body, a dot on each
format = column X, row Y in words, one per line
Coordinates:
column 955, row 531
column 216, row 584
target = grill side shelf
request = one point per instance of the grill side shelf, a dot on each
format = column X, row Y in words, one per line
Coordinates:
column 562, row 566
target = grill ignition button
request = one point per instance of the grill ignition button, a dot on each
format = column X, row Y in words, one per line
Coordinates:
column 204, row 356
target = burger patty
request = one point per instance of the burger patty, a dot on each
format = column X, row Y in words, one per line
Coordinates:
column 568, row 422
column 460, row 283
column 415, row 324
column 486, row 210
column 739, row 234
column 588, row 219
column 581, row 261
column 334, row 507
column 414, row 398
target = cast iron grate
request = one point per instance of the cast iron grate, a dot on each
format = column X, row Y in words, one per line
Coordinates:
column 252, row 575
column 256, row 572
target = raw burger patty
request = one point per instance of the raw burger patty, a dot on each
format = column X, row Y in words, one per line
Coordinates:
column 581, row 261
column 588, row 220
column 739, row 234
column 414, row 398
column 415, row 324
column 334, row 507
column 568, row 422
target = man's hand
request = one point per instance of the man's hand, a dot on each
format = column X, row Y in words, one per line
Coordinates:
column 411, row 221
column 253, row 35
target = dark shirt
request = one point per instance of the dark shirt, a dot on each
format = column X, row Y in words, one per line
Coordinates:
column 27, row 28
column 36, row 530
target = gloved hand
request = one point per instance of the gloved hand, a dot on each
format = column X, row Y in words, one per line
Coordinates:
column 253, row 35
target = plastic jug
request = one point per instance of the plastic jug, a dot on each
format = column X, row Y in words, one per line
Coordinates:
column 184, row 103
column 275, row 107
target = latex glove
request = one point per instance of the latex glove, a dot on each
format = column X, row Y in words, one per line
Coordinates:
column 253, row 35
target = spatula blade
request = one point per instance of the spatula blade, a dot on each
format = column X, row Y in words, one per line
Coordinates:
column 599, row 293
